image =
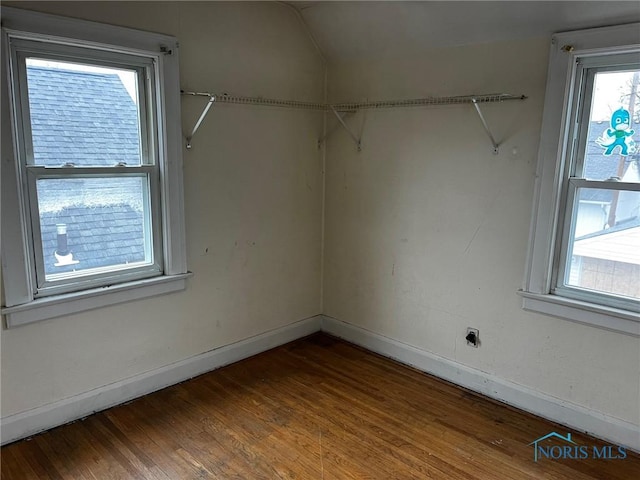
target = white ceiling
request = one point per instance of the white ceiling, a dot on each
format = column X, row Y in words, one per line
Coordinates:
column 348, row 30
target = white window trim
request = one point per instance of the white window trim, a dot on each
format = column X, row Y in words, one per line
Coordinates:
column 536, row 291
column 69, row 303
column 21, row 307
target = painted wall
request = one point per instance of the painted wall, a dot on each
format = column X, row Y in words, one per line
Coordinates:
column 427, row 230
column 253, row 194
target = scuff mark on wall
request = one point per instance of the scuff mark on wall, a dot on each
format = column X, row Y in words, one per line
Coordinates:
column 473, row 237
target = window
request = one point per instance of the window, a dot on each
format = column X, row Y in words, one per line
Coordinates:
column 95, row 180
column 584, row 259
column 600, row 244
column 88, row 152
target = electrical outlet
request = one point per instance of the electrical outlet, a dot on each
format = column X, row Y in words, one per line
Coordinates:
column 473, row 337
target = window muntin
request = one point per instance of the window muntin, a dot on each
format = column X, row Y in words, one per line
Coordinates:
column 89, row 124
column 598, row 251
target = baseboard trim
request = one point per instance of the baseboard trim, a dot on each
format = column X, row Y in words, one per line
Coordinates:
column 568, row 414
column 25, row 424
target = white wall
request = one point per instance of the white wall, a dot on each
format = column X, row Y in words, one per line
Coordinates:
column 253, row 184
column 427, row 230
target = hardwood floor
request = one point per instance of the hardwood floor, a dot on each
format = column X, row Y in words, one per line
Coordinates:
column 317, row 408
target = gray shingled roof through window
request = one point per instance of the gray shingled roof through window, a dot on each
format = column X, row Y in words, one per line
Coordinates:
column 81, row 117
column 88, row 119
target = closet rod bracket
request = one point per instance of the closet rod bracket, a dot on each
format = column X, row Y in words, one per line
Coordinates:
column 355, row 139
column 212, row 99
column 323, row 139
column 495, row 144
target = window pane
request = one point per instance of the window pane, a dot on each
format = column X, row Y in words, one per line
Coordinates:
column 606, row 259
column 83, row 114
column 613, row 138
column 88, row 223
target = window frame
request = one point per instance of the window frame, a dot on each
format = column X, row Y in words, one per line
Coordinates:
column 551, row 194
column 23, row 48
column 584, row 82
column 21, row 303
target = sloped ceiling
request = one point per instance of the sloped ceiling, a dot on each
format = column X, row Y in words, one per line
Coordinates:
column 348, row 30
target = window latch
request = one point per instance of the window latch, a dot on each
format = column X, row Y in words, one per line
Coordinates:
column 69, row 165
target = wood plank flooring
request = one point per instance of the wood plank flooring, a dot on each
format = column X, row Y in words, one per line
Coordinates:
column 318, row 408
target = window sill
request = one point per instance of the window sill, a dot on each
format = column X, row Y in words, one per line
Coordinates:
column 622, row 321
column 59, row 305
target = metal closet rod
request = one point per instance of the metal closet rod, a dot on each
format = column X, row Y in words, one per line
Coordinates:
column 352, row 106
column 340, row 110
column 226, row 98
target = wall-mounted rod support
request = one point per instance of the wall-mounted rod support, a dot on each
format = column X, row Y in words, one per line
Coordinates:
column 212, row 98
column 322, row 139
column 486, row 127
column 346, row 127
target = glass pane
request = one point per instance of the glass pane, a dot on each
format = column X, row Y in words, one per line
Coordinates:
column 83, row 114
column 88, row 223
column 613, row 138
column 606, row 258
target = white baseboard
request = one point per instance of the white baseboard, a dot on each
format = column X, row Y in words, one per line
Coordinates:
column 24, row 424
column 571, row 415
